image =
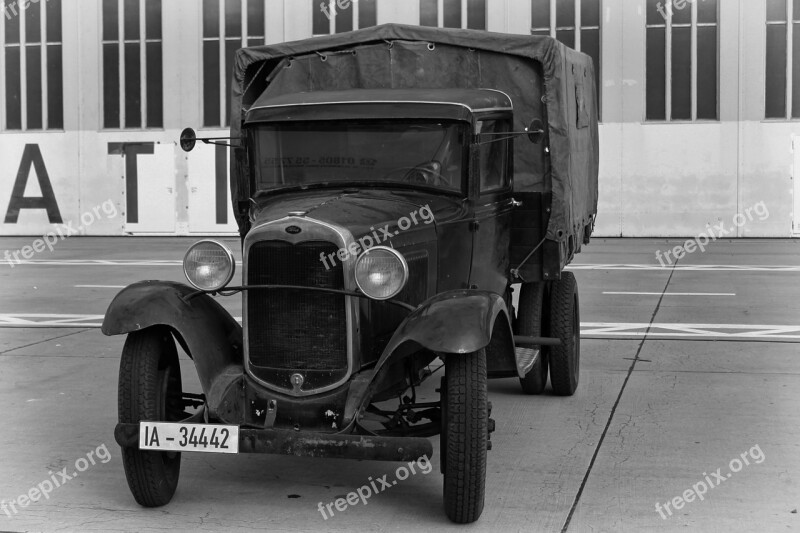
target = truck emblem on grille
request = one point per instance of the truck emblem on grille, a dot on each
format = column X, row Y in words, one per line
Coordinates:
column 294, row 230
column 297, row 381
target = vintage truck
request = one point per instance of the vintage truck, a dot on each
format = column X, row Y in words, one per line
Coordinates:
column 392, row 186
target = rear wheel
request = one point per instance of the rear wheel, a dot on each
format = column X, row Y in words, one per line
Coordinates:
column 465, row 435
column 565, row 323
column 150, row 389
column 530, row 321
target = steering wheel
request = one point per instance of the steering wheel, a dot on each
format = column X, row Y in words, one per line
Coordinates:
column 424, row 174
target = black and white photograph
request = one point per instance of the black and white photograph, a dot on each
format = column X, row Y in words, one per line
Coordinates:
column 400, row 265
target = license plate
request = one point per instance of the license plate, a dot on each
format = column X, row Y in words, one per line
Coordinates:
column 175, row 437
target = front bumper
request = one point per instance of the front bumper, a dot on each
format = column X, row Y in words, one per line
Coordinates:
column 309, row 444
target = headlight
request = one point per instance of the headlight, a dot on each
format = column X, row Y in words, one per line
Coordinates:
column 381, row 273
column 209, row 265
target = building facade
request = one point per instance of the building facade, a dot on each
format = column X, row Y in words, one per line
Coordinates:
column 700, row 106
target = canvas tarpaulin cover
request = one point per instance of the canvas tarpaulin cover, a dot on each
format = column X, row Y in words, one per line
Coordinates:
column 396, row 56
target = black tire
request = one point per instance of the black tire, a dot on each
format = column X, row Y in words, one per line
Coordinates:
column 465, row 435
column 530, row 322
column 565, row 324
column 150, row 389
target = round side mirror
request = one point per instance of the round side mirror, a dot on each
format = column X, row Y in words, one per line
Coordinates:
column 188, row 140
column 536, row 131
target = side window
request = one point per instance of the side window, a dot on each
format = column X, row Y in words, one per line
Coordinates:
column 493, row 154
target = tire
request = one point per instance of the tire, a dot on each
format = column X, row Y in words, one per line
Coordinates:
column 565, row 324
column 530, row 322
column 465, row 435
column 150, row 389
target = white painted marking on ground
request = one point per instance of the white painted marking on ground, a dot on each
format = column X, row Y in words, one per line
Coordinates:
column 36, row 320
column 671, row 293
column 589, row 330
column 689, row 268
column 100, row 286
column 100, row 262
column 704, row 331
column 40, row 320
column 103, row 262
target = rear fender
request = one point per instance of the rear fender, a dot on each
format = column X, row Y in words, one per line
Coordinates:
column 205, row 330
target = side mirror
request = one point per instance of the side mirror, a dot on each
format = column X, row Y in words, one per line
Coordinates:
column 188, row 140
column 536, row 131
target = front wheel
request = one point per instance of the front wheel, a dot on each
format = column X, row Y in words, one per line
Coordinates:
column 150, row 389
column 465, row 435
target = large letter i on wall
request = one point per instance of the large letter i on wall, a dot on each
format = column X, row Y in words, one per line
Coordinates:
column 130, row 151
column 32, row 158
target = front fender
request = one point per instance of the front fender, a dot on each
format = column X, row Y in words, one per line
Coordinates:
column 458, row 321
column 208, row 333
column 454, row 322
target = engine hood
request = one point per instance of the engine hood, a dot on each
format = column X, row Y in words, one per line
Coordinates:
column 362, row 211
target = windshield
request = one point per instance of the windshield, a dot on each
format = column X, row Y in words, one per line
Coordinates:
column 427, row 153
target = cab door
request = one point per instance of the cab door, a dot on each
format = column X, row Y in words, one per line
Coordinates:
column 490, row 171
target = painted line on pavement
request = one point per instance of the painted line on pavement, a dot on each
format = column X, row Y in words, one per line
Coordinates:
column 688, row 268
column 103, row 262
column 671, row 293
column 589, row 330
column 699, row 331
column 39, row 320
column 36, row 320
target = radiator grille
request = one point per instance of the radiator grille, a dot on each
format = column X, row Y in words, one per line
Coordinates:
column 291, row 330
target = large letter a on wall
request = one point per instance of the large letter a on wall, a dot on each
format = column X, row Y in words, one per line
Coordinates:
column 32, row 158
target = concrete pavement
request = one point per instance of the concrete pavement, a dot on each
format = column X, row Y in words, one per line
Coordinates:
column 684, row 369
